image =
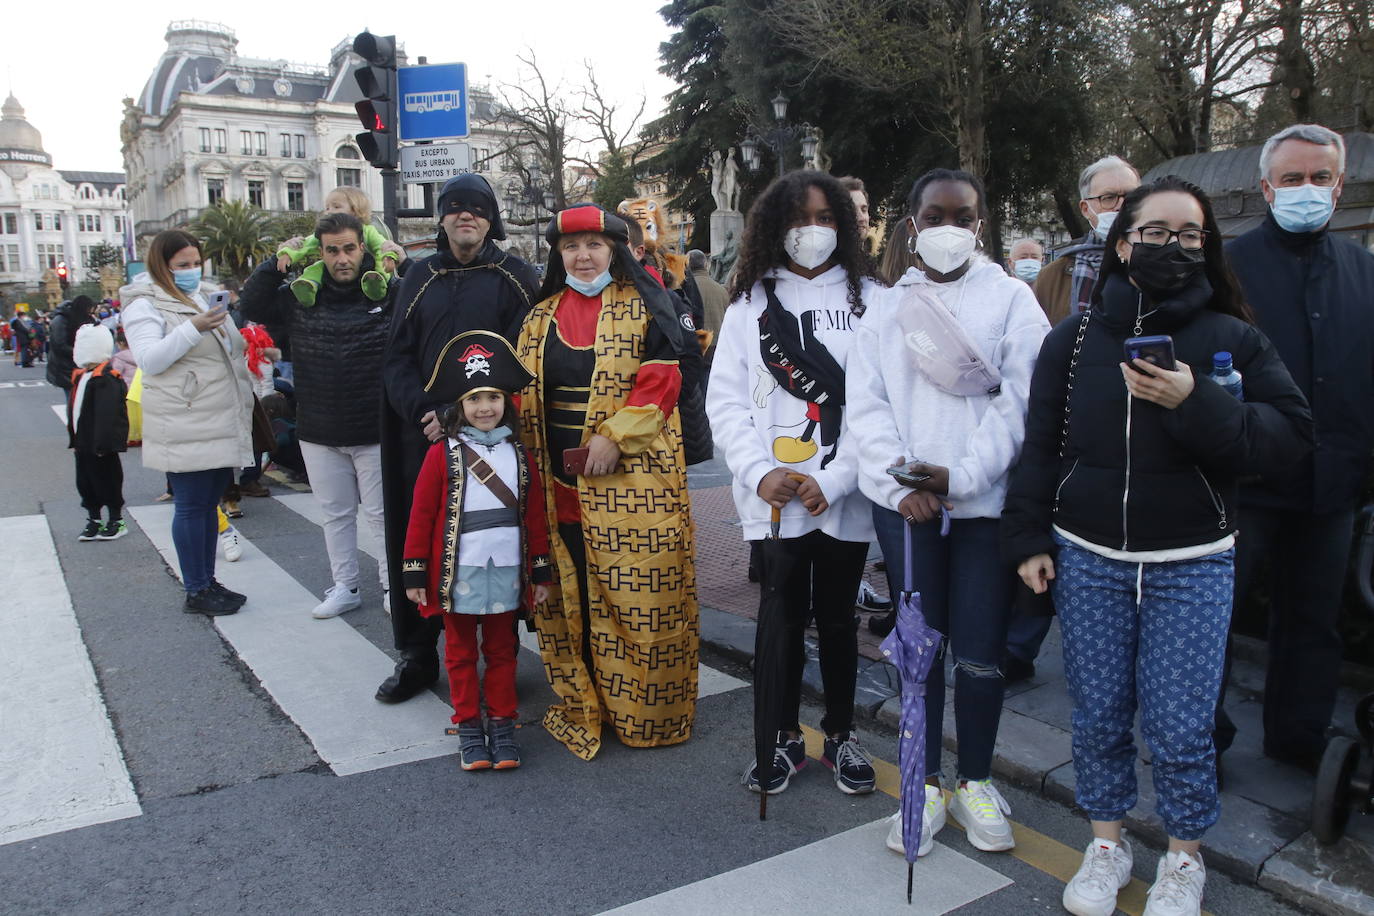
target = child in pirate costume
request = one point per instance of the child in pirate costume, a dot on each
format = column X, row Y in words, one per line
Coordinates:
column 776, row 404
column 477, row 546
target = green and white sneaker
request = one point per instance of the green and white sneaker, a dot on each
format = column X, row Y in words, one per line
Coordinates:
column 932, row 822
column 983, row 812
column 112, row 531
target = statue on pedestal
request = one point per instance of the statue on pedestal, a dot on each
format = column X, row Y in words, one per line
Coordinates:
column 725, row 180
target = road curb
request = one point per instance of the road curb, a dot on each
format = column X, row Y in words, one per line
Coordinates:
column 1259, row 847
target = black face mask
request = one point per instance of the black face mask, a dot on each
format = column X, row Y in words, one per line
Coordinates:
column 1164, row 272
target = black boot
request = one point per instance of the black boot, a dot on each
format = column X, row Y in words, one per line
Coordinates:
column 413, row 674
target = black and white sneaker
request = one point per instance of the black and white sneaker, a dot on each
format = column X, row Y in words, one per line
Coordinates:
column 869, row 600
column 789, row 757
column 92, row 530
column 852, row 764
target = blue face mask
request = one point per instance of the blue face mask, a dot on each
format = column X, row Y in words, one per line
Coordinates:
column 1303, row 209
column 1026, row 268
column 591, row 287
column 187, row 280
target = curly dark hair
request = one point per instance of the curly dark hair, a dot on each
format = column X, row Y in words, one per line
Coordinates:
column 1227, row 297
column 774, row 212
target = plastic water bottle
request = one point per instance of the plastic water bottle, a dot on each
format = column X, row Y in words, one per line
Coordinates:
column 1224, row 375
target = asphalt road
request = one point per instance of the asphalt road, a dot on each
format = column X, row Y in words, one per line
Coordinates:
column 241, row 812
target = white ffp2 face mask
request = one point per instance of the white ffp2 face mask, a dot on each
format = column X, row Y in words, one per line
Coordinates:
column 810, row 246
column 1104, row 223
column 945, row 248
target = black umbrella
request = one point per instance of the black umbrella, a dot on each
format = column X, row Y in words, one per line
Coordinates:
column 769, row 662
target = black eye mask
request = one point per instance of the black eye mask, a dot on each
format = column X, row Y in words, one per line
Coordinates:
column 476, row 208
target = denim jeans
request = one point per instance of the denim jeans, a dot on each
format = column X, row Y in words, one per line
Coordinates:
column 1152, row 635
column 966, row 593
column 195, row 496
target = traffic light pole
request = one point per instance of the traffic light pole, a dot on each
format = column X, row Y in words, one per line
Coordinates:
column 391, row 192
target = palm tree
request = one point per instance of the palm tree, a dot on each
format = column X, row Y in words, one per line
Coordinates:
column 235, row 235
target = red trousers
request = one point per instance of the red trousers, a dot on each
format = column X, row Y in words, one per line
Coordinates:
column 499, row 647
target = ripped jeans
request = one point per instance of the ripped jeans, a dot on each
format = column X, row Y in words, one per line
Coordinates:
column 966, row 593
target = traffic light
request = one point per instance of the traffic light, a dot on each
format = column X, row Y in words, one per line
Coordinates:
column 62, row 273
column 378, row 110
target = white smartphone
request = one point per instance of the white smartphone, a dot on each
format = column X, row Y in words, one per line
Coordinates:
column 219, row 300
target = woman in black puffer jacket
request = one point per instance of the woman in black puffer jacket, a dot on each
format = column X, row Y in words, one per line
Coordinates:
column 1123, row 503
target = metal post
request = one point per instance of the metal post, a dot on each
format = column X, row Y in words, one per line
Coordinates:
column 391, row 183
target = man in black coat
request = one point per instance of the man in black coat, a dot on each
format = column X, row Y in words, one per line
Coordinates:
column 340, row 343
column 470, row 284
column 1312, row 294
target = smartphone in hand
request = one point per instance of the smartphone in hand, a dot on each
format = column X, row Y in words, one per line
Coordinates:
column 1157, row 349
column 575, row 460
column 906, row 475
column 219, row 300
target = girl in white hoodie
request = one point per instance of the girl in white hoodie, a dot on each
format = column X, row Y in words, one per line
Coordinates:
column 941, row 374
column 776, row 404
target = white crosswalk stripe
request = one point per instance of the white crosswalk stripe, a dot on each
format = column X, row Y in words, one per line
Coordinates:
column 60, row 764
column 322, row 673
column 850, row 872
column 710, row 681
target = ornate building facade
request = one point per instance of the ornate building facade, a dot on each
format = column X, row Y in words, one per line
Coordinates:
column 211, row 125
column 49, row 216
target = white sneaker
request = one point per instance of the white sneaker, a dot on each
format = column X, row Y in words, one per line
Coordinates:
column 1106, row 869
column 932, row 822
column 983, row 812
column 1177, row 890
column 229, row 544
column 337, row 600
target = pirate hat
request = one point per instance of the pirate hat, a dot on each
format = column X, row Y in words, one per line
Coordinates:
column 476, row 361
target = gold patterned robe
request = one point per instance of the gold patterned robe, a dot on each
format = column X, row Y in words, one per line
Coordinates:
column 637, row 530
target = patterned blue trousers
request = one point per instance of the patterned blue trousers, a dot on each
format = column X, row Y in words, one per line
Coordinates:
column 1152, row 634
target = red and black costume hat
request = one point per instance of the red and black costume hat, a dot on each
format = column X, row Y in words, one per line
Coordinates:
column 591, row 218
column 586, row 218
column 476, row 361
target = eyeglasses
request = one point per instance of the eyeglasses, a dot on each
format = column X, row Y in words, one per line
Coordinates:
column 1158, row 237
column 1108, row 201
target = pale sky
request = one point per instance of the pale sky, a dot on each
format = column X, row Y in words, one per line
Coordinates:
column 71, row 70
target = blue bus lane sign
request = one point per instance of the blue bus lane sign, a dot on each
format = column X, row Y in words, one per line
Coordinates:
column 434, row 102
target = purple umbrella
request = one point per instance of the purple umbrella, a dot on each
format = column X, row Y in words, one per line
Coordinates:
column 912, row 647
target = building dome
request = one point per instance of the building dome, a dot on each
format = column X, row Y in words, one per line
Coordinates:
column 15, row 132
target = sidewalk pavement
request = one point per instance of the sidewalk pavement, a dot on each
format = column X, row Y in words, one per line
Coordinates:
column 1263, row 834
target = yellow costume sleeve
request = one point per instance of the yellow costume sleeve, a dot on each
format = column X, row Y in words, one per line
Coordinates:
column 633, row 428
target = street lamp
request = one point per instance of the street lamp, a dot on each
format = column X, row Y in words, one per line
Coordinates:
column 528, row 192
column 779, row 139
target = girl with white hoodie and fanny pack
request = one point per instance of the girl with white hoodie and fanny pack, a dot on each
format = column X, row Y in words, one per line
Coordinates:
column 776, row 405
column 939, row 382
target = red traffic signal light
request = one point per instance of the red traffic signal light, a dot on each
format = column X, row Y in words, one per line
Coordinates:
column 62, row 272
column 377, row 110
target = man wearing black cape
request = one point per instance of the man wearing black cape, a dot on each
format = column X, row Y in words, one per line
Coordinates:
column 470, row 284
